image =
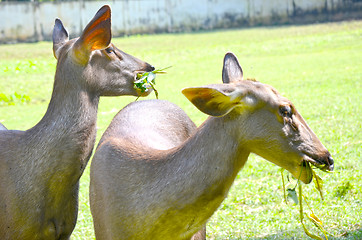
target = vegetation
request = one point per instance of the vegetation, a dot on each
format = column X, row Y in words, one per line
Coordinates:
column 318, row 67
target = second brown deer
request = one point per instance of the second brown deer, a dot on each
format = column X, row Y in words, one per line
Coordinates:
column 154, row 177
column 40, row 168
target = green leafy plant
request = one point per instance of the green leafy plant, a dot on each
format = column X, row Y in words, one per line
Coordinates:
column 147, row 80
column 26, row 66
column 292, row 194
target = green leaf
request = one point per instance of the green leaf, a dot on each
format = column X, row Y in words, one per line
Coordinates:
column 318, row 183
column 151, row 77
column 310, row 234
column 292, row 194
column 145, row 81
column 143, row 78
column 314, row 218
column 4, row 98
column 285, row 196
column 161, row 71
column 318, row 223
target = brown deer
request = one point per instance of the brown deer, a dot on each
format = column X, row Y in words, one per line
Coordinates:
column 149, row 180
column 40, row 168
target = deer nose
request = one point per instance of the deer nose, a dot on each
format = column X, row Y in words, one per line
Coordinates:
column 149, row 68
column 330, row 162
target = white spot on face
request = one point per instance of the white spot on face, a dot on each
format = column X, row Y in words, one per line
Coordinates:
column 249, row 100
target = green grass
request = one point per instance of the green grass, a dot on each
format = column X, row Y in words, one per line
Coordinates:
column 318, row 67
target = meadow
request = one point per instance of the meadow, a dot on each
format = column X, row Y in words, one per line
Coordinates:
column 318, row 67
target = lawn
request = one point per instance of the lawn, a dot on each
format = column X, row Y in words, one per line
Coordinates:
column 318, row 67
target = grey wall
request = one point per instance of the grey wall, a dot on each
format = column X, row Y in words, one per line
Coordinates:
column 33, row 21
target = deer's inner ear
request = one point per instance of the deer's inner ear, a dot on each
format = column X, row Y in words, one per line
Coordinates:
column 96, row 35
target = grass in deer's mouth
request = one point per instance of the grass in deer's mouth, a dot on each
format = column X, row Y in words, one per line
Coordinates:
column 317, row 164
column 146, row 80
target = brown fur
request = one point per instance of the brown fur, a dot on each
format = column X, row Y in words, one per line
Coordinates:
column 152, row 177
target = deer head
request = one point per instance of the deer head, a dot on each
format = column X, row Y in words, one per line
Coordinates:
column 274, row 128
column 93, row 61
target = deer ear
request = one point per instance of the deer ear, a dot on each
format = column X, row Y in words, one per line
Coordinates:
column 231, row 71
column 212, row 101
column 60, row 37
column 96, row 35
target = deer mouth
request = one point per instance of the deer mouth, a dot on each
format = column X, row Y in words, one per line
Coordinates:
column 304, row 173
column 325, row 164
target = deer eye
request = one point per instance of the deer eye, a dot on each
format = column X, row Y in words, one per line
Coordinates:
column 109, row 49
column 285, row 111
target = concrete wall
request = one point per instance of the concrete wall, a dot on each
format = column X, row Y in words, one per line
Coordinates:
column 33, row 21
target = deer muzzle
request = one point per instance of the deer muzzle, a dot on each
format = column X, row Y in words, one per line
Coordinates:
column 325, row 163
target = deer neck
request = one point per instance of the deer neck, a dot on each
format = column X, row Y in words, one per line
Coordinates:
column 68, row 128
column 211, row 159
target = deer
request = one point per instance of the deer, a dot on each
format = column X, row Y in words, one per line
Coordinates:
column 154, row 176
column 40, row 168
